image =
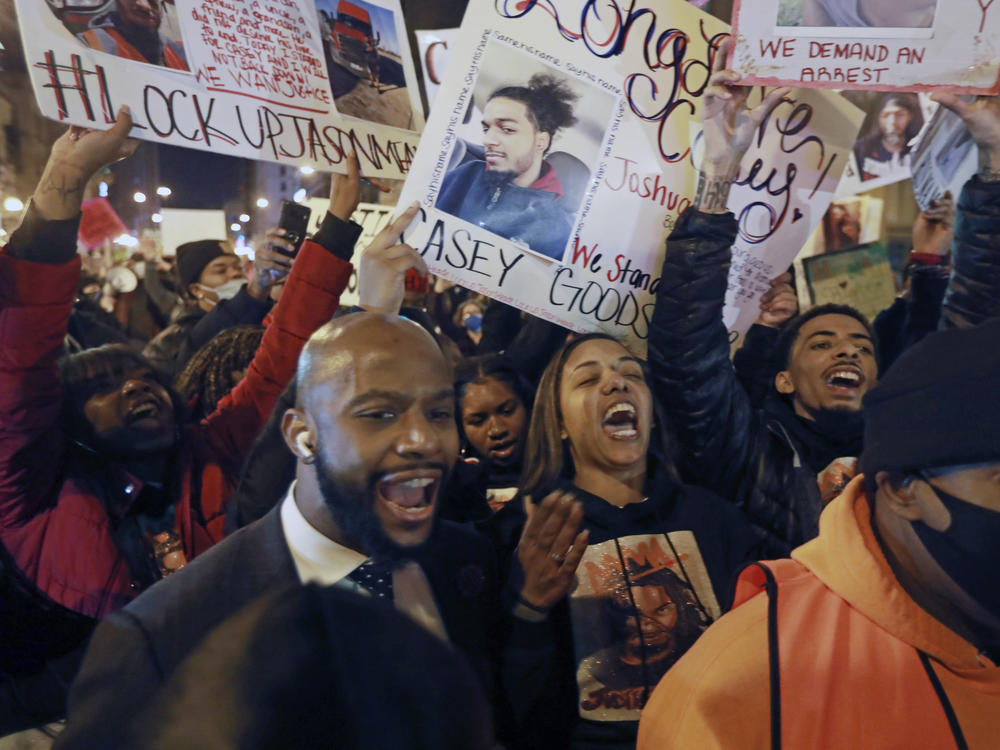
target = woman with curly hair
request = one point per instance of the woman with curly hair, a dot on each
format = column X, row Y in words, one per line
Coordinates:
column 217, row 367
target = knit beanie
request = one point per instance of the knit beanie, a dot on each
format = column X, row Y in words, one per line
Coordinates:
column 192, row 257
column 938, row 405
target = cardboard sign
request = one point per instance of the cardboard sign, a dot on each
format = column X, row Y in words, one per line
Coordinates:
column 582, row 244
column 99, row 224
column 879, row 45
column 295, row 81
column 861, row 278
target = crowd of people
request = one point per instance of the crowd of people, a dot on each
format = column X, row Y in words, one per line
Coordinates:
column 234, row 514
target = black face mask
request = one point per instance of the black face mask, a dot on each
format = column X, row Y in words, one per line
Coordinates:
column 968, row 550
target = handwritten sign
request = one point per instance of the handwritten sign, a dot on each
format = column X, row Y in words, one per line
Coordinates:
column 621, row 173
column 294, row 81
column 903, row 45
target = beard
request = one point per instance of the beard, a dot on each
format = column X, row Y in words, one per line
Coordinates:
column 353, row 510
column 495, row 178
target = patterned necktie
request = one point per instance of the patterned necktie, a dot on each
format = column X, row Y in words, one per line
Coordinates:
column 375, row 577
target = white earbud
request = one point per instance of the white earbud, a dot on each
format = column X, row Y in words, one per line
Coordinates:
column 303, row 442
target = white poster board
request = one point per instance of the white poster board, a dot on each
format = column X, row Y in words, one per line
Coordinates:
column 182, row 225
column 285, row 81
column 434, row 46
column 878, row 45
column 627, row 167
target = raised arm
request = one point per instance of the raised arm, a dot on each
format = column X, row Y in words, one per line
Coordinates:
column 39, row 273
column 973, row 293
column 688, row 344
column 311, row 296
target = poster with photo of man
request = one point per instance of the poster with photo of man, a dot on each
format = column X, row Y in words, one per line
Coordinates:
column 145, row 31
column 524, row 174
column 551, row 172
column 883, row 154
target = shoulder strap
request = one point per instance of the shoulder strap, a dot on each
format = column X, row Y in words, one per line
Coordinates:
column 774, row 672
column 949, row 711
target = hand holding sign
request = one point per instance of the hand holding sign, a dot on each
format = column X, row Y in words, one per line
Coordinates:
column 383, row 267
column 75, row 157
column 729, row 127
column 729, row 124
column 779, row 304
column 982, row 118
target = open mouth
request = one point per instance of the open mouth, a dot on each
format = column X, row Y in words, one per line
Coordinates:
column 845, row 379
column 147, row 410
column 504, row 449
column 621, row 421
column 410, row 495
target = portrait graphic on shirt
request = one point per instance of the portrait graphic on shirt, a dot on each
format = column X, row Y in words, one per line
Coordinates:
column 639, row 604
column 525, row 151
column 364, row 59
column 873, row 16
column 144, row 31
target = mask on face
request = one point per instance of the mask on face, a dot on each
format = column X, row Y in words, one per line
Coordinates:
column 226, row 291
column 968, row 550
column 474, row 323
column 139, row 269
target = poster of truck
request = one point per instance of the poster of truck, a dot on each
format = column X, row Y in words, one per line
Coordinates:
column 361, row 42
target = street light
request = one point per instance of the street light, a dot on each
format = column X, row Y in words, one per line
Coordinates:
column 13, row 204
column 156, row 218
column 163, row 192
column 263, row 203
column 139, row 197
column 244, row 218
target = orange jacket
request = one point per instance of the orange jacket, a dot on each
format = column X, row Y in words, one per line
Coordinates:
column 849, row 643
column 109, row 39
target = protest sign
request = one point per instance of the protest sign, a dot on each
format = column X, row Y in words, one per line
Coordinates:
column 899, row 45
column 861, row 277
column 180, row 225
column 583, row 244
column 945, row 158
column 371, row 217
column 883, row 154
column 294, row 81
column 434, row 46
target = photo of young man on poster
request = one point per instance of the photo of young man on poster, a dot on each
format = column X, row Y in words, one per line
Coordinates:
column 145, row 31
column 887, row 136
column 525, row 178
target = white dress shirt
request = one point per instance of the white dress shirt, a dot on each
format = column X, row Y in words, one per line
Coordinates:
column 319, row 559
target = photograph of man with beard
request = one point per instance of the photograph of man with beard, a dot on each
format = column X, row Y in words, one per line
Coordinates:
column 884, row 150
column 653, row 620
column 541, row 135
column 132, row 29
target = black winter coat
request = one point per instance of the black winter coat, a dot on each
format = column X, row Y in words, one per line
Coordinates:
column 755, row 457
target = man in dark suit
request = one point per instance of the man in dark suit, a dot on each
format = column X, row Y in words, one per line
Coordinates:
column 375, row 435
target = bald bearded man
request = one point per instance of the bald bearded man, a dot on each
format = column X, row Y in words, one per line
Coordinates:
column 375, row 436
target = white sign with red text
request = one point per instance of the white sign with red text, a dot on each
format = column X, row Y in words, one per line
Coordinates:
column 293, row 81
